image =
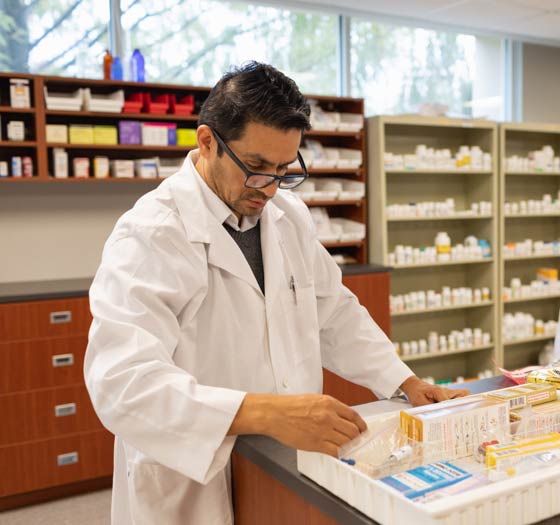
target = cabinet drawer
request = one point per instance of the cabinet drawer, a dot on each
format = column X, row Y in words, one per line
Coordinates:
column 38, row 319
column 53, row 462
column 43, row 414
column 28, row 365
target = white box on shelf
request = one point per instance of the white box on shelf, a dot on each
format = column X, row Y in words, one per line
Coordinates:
column 81, row 167
column 352, row 190
column 16, row 130
column 108, row 103
column 326, row 189
column 349, row 158
column 122, row 169
column 64, row 101
column 154, row 135
column 19, row 93
column 100, row 167
column 350, row 230
column 350, row 122
column 57, row 133
column 147, row 168
column 60, row 163
column 323, row 227
column 168, row 167
column 306, row 190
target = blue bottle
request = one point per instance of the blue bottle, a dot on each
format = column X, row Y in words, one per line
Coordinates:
column 137, row 73
column 116, row 69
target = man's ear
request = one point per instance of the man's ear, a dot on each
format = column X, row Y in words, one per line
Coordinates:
column 205, row 140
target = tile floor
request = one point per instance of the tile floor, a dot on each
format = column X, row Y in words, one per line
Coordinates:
column 87, row 509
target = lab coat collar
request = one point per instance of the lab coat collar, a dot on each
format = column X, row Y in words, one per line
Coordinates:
column 202, row 226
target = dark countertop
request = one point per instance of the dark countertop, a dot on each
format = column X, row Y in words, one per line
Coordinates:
column 37, row 290
column 279, row 461
column 360, row 269
column 63, row 288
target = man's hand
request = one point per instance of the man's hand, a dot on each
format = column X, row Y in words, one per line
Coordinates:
column 421, row 393
column 314, row 422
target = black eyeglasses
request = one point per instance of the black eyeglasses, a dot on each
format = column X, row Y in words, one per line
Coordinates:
column 262, row 180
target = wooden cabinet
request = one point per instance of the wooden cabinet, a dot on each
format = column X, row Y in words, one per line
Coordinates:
column 50, row 435
column 372, row 290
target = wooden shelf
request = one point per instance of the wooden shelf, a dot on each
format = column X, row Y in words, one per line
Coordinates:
column 121, row 147
column 432, row 355
column 531, row 215
column 445, row 218
column 439, row 172
column 10, row 109
column 335, row 203
column 529, row 257
column 18, row 144
column 529, row 299
column 320, row 133
column 442, row 309
column 531, row 173
column 347, row 244
column 450, row 263
column 329, row 171
column 528, row 340
column 135, row 116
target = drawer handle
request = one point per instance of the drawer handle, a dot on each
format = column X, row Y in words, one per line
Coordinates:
column 68, row 409
column 61, row 317
column 67, row 459
column 63, row 360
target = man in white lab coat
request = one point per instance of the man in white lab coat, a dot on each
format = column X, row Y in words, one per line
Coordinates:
column 215, row 309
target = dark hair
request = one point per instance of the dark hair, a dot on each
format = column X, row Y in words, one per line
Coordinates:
column 258, row 93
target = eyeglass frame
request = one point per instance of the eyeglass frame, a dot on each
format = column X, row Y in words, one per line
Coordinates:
column 248, row 173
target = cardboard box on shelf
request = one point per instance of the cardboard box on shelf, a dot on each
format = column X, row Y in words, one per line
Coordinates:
column 105, row 135
column 80, row 134
column 19, row 93
column 122, row 169
column 57, row 133
column 81, row 167
column 101, row 167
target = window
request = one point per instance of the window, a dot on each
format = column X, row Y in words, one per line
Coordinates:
column 397, row 69
column 203, row 38
column 66, row 37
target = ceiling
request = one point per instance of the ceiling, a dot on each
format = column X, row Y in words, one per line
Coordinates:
column 533, row 20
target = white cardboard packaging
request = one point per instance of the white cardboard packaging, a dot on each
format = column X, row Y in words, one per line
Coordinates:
column 19, row 93
column 100, row 167
column 16, row 130
column 122, row 169
column 147, row 168
column 81, row 167
column 60, row 163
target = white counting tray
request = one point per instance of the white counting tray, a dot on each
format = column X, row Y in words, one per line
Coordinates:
column 518, row 500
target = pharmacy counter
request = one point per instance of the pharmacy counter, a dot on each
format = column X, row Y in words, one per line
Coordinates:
column 269, row 489
column 44, row 290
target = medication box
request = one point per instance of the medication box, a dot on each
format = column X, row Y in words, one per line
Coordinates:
column 523, row 395
column 455, row 425
column 130, row 132
column 101, row 167
column 57, row 133
column 16, row 130
column 81, row 167
column 105, row 135
column 186, row 137
column 60, row 163
column 122, row 169
column 19, row 93
column 147, row 168
column 81, row 134
column 154, row 134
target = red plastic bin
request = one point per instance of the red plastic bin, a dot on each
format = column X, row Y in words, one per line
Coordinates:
column 159, row 104
column 133, row 103
column 185, row 106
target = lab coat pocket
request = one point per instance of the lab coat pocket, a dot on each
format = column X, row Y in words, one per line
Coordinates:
column 162, row 495
column 302, row 327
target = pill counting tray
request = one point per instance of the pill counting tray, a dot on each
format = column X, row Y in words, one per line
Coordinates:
column 515, row 501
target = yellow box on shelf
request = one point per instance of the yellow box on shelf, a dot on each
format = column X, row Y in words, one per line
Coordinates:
column 79, row 134
column 57, row 133
column 186, row 137
column 105, row 135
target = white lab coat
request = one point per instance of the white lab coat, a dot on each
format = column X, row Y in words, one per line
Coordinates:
column 181, row 332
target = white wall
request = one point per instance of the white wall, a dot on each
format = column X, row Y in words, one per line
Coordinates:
column 541, row 83
column 56, row 230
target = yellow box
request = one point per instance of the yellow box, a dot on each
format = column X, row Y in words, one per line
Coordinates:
column 521, row 396
column 105, row 135
column 493, row 450
column 497, row 457
column 186, row 137
column 547, row 274
column 81, row 134
column 57, row 133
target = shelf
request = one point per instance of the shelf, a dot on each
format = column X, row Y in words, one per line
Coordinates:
column 442, row 309
column 450, row 263
column 534, row 298
column 121, row 147
column 10, row 109
column 445, row 218
column 335, row 203
column 544, row 173
column 329, row 171
column 320, row 133
column 531, row 215
column 347, row 244
column 18, row 144
column 135, row 116
column 439, row 172
column 528, row 340
column 529, row 257
column 432, row 355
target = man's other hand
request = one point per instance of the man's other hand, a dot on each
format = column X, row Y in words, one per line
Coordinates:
column 421, row 393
